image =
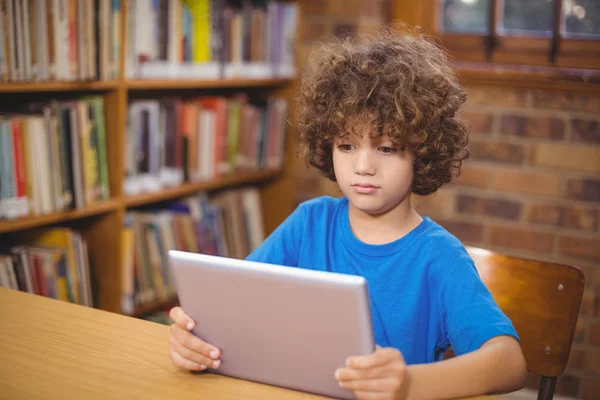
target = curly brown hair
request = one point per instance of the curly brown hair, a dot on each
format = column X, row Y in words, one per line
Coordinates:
column 405, row 86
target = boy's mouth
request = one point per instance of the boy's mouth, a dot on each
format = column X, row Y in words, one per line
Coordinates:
column 364, row 188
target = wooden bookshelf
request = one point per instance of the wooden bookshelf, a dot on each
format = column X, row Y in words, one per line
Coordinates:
column 149, row 308
column 104, row 207
column 169, row 84
column 237, row 179
column 102, row 222
column 141, row 85
column 58, row 86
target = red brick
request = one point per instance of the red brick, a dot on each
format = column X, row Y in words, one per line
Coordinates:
column 534, row 127
column 583, row 189
column 497, row 208
column 580, row 218
column 545, row 214
column 465, row 231
column 568, row 217
column 592, row 360
column 580, row 331
column 533, row 380
column 566, row 156
column 439, row 204
column 580, row 247
column 475, row 176
column 496, row 97
column 588, row 273
column 585, row 131
column 480, row 122
column 497, row 151
column 590, row 388
column 511, row 180
column 517, row 238
column 577, row 359
column 594, row 335
column 566, row 101
column 567, row 385
column 588, row 304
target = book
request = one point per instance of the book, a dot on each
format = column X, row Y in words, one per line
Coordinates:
column 227, row 224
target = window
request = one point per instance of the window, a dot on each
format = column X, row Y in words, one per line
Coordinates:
column 561, row 33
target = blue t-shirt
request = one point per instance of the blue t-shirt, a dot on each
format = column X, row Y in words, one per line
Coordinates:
column 425, row 291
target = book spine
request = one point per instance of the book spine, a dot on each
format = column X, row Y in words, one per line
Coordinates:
column 19, row 167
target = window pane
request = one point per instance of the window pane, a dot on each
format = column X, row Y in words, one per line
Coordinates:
column 530, row 17
column 582, row 17
column 466, row 16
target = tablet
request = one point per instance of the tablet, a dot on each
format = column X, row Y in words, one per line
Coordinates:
column 278, row 325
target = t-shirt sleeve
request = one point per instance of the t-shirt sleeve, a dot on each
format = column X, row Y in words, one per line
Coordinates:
column 470, row 314
column 283, row 245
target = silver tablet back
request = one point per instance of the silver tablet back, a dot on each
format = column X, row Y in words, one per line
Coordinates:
column 282, row 326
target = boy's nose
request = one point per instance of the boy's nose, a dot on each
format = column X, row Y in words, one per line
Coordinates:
column 365, row 165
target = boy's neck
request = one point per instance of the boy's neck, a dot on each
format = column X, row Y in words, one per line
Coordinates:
column 385, row 227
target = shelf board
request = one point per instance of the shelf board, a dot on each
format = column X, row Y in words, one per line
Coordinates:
column 151, row 307
column 7, row 226
column 57, row 86
column 166, row 84
column 140, row 84
column 237, row 178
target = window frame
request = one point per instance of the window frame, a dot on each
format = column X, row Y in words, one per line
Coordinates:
column 570, row 52
column 516, row 61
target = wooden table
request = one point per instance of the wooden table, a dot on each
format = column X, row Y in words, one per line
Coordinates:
column 51, row 349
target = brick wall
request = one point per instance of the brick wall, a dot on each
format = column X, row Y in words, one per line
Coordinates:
column 530, row 188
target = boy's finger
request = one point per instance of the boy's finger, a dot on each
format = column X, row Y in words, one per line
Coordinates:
column 185, row 364
column 368, row 385
column 379, row 357
column 194, row 343
column 349, row 374
column 181, row 318
column 192, row 355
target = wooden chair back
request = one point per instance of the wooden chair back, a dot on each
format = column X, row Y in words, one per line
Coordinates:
column 542, row 299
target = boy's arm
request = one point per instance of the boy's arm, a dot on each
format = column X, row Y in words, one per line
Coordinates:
column 498, row 366
column 282, row 247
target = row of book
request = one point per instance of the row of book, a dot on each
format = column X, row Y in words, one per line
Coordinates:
column 175, row 140
column 64, row 40
column 53, row 157
column 70, row 40
column 228, row 223
column 210, row 38
column 53, row 263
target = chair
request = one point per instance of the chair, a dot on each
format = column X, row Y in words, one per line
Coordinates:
column 542, row 299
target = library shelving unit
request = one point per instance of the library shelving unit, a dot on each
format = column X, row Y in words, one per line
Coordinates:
column 100, row 223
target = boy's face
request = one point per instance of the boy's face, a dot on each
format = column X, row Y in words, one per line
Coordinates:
column 373, row 174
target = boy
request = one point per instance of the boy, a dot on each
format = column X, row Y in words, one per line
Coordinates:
column 379, row 117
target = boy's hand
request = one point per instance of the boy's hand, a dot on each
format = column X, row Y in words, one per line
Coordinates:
column 381, row 375
column 186, row 350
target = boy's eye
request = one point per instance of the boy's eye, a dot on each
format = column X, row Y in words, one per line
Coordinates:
column 345, row 147
column 387, row 150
